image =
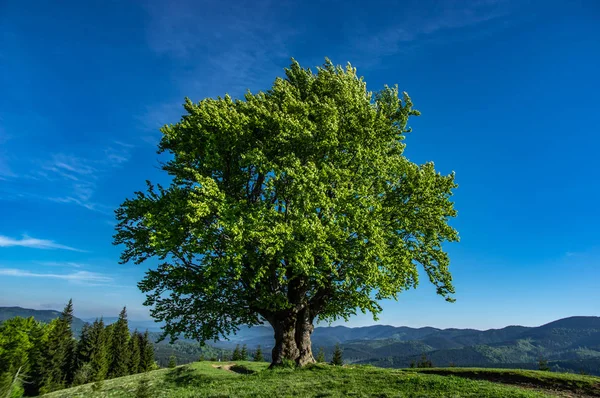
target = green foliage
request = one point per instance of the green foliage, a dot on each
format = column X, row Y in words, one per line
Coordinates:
column 146, row 353
column 337, row 359
column 134, row 352
column 543, row 365
column 237, row 354
column 320, row 355
column 258, row 355
column 98, row 386
column 60, row 360
column 143, row 389
column 244, row 353
column 83, row 374
column 119, row 344
column 424, row 362
column 99, row 341
column 37, row 358
column 172, row 361
column 297, row 200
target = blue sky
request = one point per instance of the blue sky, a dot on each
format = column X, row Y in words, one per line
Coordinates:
column 508, row 91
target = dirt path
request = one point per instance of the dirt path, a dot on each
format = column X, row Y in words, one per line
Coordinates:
column 226, row 367
column 233, row 368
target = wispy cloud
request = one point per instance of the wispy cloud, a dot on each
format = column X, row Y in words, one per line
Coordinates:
column 79, row 276
column 420, row 28
column 27, row 241
column 77, row 176
column 65, row 264
column 215, row 49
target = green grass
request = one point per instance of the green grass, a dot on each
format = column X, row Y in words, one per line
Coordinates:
column 249, row 379
column 579, row 384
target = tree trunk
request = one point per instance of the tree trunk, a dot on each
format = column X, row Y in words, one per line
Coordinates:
column 304, row 328
column 285, row 342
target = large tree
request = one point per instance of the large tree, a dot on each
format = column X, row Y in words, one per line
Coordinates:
column 288, row 206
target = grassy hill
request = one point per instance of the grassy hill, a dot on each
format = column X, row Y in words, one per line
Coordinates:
column 248, row 379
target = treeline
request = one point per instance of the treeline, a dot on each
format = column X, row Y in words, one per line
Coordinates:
column 37, row 358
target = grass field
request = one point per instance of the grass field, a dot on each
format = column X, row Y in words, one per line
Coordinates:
column 249, row 379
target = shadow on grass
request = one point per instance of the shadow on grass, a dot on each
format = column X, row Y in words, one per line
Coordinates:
column 186, row 377
column 241, row 370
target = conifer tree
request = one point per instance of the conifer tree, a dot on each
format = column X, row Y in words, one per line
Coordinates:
column 244, row 353
column 134, row 353
column 321, row 355
column 258, row 355
column 172, row 361
column 83, row 348
column 38, row 336
column 119, row 344
column 99, row 350
column 61, row 349
column 337, row 356
column 237, row 354
column 146, row 353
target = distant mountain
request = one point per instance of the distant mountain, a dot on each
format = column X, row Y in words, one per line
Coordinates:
column 141, row 326
column 568, row 344
column 39, row 315
column 571, row 344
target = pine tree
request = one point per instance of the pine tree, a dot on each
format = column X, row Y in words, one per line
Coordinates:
column 146, row 353
column 172, row 361
column 134, row 353
column 99, row 350
column 244, row 353
column 337, row 356
column 119, row 353
column 236, row 353
column 83, row 350
column 258, row 355
column 38, row 336
column 321, row 355
column 61, row 349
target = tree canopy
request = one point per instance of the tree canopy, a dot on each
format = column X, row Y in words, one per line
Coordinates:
column 288, row 206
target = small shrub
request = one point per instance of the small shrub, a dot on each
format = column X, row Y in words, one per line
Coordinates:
column 172, row 361
column 321, row 355
column 143, row 389
column 337, row 359
column 543, row 365
column 98, row 386
column 424, row 362
column 237, row 354
column 213, row 359
column 201, row 358
column 244, row 353
column 258, row 355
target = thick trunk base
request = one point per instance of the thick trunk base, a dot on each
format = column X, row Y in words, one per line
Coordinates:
column 292, row 340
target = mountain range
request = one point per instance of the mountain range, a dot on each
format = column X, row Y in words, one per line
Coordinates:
column 569, row 344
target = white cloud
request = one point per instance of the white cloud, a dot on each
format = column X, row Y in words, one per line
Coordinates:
column 34, row 243
column 79, row 276
column 66, row 264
